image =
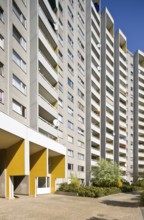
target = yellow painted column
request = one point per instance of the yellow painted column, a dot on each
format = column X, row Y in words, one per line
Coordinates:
column 57, row 169
column 14, row 163
column 38, row 168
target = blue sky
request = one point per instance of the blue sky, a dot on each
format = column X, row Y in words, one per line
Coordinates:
column 128, row 15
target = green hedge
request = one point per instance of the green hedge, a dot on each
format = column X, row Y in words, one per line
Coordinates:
column 89, row 191
column 142, row 199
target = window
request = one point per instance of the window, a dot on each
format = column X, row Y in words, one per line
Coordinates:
column 80, row 144
column 70, row 125
column 81, row 82
column 1, row 14
column 19, row 61
column 80, row 44
column 80, row 18
column 70, row 41
column 70, row 153
column 70, row 111
column 71, row 2
column 80, row 56
column 1, row 96
column 60, row 87
column 19, row 38
column 81, row 69
column 60, row 118
column 80, row 31
column 70, row 97
column 19, row 14
column 80, row 168
column 25, row 2
column 80, row 156
column 70, row 27
column 70, row 55
column 1, row 69
column 70, row 69
column 60, row 55
column 80, row 94
column 60, row 9
column 81, row 119
column 60, row 102
column 80, row 106
column 80, row 131
column 80, row 6
column 70, row 13
column 70, row 139
column 60, row 24
column 20, row 109
column 18, row 84
column 60, row 39
column 43, row 182
column 70, row 83
column 1, row 41
column 60, row 133
column 70, row 166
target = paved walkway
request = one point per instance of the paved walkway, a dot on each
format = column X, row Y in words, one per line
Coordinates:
column 57, row 207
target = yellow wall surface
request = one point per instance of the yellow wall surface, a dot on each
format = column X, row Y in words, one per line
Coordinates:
column 14, row 162
column 38, row 168
column 57, row 169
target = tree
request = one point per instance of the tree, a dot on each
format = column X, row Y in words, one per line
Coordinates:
column 105, row 174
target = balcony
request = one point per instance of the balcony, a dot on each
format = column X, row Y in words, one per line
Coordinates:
column 46, row 126
column 95, row 69
column 122, row 159
column 109, row 156
column 122, row 168
column 95, row 46
column 47, row 106
column 95, row 152
column 93, row 163
column 48, row 66
column 95, row 57
column 110, row 126
column 110, row 39
column 109, row 136
column 48, row 26
column 48, row 46
column 95, row 105
column 109, row 147
column 141, row 154
column 122, row 150
column 47, row 86
column 95, row 116
column 95, row 140
column 95, row 92
column 95, row 81
column 95, row 128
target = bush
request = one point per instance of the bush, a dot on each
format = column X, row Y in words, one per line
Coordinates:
column 142, row 199
column 140, row 183
column 126, row 188
column 89, row 191
column 95, row 192
column 106, row 174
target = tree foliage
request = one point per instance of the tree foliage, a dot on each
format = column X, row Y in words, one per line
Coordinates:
column 106, row 174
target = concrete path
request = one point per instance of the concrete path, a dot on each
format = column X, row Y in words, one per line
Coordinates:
column 57, row 207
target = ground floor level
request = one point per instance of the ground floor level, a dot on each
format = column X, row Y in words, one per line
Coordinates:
column 30, row 163
column 57, row 207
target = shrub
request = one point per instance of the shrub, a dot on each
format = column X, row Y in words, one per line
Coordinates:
column 89, row 191
column 126, row 188
column 142, row 199
column 106, row 174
